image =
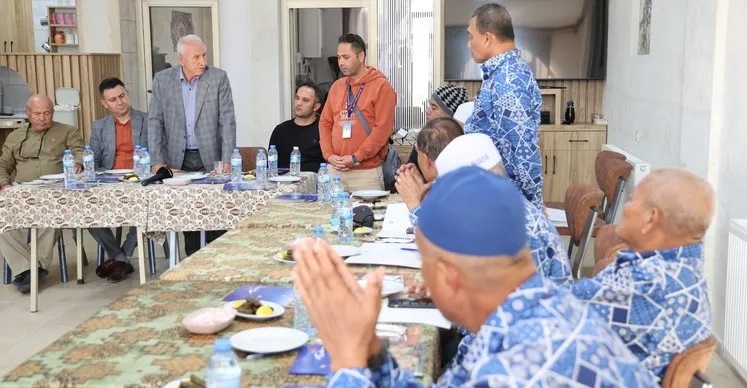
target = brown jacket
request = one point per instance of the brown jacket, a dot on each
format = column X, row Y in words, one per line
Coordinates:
column 19, row 156
column 377, row 102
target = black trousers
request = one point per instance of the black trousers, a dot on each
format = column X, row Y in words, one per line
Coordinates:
column 193, row 162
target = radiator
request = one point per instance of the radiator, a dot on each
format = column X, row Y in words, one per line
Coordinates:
column 735, row 335
column 640, row 170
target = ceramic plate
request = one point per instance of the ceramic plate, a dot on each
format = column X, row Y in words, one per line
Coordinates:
column 280, row 256
column 121, row 171
column 284, row 178
column 35, row 182
column 53, row 176
column 391, row 285
column 277, row 310
column 190, row 175
column 346, row 250
column 269, row 340
column 370, row 194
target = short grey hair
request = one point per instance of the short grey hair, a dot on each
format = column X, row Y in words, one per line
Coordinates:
column 188, row 39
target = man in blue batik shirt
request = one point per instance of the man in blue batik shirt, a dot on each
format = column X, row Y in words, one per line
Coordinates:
column 472, row 240
column 654, row 295
column 508, row 106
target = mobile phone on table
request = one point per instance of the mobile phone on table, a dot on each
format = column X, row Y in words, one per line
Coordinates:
column 404, row 303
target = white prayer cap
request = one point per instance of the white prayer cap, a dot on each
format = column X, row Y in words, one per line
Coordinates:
column 464, row 111
column 474, row 149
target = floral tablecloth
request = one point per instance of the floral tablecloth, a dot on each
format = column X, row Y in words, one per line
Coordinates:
column 138, row 341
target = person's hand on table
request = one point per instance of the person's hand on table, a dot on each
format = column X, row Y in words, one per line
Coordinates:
column 343, row 313
column 338, row 162
column 5, row 186
column 411, row 187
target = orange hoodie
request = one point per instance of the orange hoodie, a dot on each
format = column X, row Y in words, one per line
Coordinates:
column 377, row 102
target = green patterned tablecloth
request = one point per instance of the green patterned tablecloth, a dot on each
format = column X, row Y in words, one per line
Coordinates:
column 138, row 341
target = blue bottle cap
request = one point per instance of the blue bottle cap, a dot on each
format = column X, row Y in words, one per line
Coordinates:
column 222, row 345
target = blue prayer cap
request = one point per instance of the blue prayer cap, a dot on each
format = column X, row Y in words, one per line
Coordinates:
column 474, row 212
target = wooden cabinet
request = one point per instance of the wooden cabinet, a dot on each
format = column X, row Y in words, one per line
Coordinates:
column 568, row 154
column 16, row 26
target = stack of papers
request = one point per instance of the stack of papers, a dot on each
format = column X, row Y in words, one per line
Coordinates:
column 395, row 255
column 557, row 217
column 396, row 222
column 431, row 317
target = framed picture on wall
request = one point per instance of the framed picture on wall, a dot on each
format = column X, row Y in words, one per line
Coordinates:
column 181, row 25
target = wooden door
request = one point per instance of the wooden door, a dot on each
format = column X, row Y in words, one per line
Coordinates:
column 6, row 24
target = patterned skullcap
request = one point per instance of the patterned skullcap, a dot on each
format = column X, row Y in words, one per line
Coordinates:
column 449, row 97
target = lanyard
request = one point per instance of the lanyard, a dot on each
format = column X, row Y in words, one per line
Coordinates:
column 353, row 103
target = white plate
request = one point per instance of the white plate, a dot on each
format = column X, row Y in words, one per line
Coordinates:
column 176, row 181
column 52, row 177
column 266, row 340
column 346, row 250
column 280, row 256
column 390, row 286
column 370, row 194
column 190, row 175
column 277, row 310
column 35, row 182
column 175, row 383
column 284, row 178
column 121, row 171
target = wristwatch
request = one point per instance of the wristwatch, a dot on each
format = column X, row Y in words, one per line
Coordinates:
column 356, row 162
column 377, row 360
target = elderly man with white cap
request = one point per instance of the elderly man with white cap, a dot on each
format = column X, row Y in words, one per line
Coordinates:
column 472, row 238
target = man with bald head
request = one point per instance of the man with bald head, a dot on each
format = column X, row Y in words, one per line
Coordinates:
column 654, row 295
column 472, row 239
column 29, row 153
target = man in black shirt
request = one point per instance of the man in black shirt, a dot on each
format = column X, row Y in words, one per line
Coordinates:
column 302, row 131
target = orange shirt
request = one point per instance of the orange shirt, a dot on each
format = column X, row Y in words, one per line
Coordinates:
column 124, row 147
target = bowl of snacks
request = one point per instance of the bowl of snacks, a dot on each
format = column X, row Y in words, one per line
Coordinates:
column 255, row 309
column 130, row 177
column 209, row 320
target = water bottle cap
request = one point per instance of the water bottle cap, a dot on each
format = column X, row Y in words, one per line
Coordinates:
column 222, row 345
column 318, row 229
column 295, row 148
column 235, row 150
column 87, row 147
column 272, row 146
column 322, row 164
column 336, row 178
column 67, row 151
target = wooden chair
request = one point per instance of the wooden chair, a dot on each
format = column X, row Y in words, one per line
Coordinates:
column 581, row 212
column 606, row 246
column 249, row 157
column 687, row 369
column 612, row 172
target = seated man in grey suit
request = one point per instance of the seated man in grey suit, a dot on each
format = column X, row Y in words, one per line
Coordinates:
column 191, row 122
column 113, row 141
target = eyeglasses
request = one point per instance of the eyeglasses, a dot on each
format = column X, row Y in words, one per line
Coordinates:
column 31, row 154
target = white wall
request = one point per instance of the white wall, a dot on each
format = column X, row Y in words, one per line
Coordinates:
column 250, row 54
column 99, row 28
column 131, row 68
column 160, row 20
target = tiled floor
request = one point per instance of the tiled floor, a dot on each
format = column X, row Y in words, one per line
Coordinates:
column 64, row 306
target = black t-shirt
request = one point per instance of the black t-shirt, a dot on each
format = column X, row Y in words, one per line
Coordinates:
column 288, row 135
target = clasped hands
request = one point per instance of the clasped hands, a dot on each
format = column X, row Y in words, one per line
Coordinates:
column 341, row 163
column 410, row 185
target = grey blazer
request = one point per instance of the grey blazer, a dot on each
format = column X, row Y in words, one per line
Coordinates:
column 215, row 124
column 104, row 137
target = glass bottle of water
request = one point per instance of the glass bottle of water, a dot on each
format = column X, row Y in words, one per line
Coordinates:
column 89, row 167
column 345, row 211
column 68, row 168
column 272, row 162
column 261, row 168
column 236, row 163
column 223, row 370
column 322, row 182
column 136, row 160
column 144, row 164
column 295, row 162
column 301, row 319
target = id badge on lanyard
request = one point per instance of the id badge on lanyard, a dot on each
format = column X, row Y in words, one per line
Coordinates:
column 352, row 103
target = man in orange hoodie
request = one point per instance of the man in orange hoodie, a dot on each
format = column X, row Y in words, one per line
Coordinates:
column 351, row 152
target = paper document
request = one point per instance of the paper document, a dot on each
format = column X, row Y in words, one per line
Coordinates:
column 557, row 217
column 395, row 255
column 396, row 221
column 431, row 317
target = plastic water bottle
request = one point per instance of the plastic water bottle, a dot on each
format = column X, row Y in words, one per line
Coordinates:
column 89, row 168
column 301, row 320
column 68, row 168
column 223, row 370
column 145, row 166
column 317, row 232
column 345, row 232
column 236, row 163
column 272, row 162
column 295, row 162
column 136, row 160
column 261, row 169
column 322, row 182
column 335, row 192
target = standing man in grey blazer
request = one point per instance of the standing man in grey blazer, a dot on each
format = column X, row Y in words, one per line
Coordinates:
column 191, row 122
column 113, row 141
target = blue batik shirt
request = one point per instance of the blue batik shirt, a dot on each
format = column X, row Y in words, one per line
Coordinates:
column 540, row 336
column 549, row 254
column 657, row 302
column 508, row 110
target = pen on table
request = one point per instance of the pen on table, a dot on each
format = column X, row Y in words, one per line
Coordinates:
column 410, row 249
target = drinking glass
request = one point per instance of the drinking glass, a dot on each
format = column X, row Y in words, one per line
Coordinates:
column 218, row 166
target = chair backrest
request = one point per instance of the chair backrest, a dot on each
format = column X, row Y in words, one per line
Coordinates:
column 612, row 171
column 249, row 157
column 686, row 365
column 580, row 199
column 606, row 246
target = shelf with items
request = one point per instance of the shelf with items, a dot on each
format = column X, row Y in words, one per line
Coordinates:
column 63, row 27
